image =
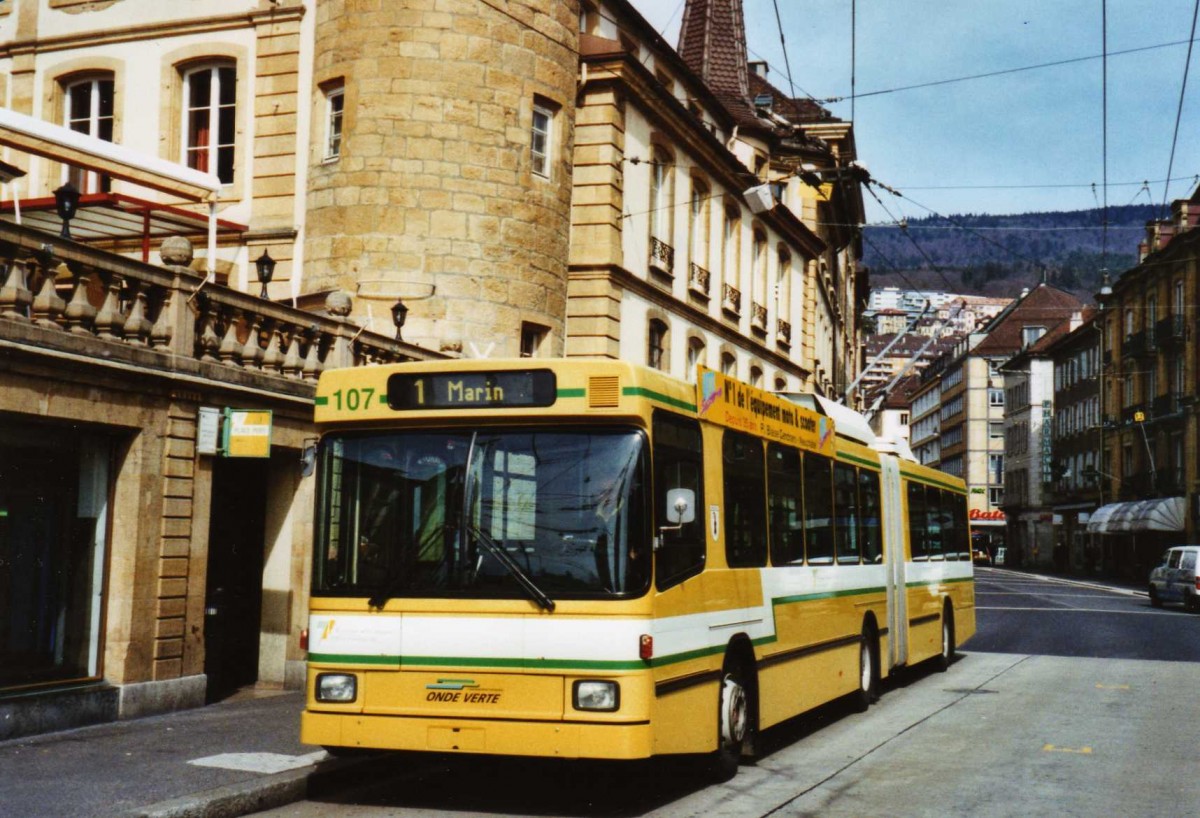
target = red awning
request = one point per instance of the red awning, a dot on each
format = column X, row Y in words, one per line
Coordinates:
column 103, row 217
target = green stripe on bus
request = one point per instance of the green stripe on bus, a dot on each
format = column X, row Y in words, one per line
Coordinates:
column 643, row 392
column 572, row 393
column 788, row 600
column 927, row 583
column 321, row 400
column 934, row 482
column 862, row 461
column 497, row 663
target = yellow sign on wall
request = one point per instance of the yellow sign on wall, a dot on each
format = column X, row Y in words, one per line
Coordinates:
column 247, row 433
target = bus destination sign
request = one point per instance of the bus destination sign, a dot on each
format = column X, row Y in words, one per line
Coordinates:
column 472, row 390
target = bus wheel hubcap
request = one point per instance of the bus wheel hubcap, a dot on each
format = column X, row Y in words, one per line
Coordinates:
column 733, row 712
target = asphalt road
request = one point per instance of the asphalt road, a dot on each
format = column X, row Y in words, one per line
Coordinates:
column 1067, row 701
column 1027, row 613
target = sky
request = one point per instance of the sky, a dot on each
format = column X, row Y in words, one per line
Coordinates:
column 1019, row 142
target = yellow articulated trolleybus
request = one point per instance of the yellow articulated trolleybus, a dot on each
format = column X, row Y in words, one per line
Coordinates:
column 589, row 559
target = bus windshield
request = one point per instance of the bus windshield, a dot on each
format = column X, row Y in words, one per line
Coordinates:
column 495, row 513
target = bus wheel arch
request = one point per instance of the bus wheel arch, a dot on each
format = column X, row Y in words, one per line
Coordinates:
column 737, row 708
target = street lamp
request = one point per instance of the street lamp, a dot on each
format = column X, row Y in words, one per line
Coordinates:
column 399, row 316
column 265, row 265
column 66, row 203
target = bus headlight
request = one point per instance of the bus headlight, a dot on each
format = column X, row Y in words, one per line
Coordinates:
column 597, row 695
column 336, row 687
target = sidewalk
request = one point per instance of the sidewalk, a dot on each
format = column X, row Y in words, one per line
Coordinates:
column 226, row 759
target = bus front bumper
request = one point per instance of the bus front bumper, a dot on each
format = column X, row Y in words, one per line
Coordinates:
column 513, row 738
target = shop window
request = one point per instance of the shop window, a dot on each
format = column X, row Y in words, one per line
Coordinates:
column 54, row 489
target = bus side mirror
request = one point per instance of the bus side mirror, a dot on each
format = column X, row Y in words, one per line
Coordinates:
column 681, row 506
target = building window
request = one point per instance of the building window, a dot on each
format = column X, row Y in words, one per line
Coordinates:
column 335, row 99
column 695, row 357
column 995, row 429
column 532, row 337
column 756, row 376
column 88, row 109
column 540, row 139
column 731, row 241
column 662, row 201
column 728, row 364
column 1029, row 335
column 995, row 497
column 209, row 120
column 656, row 340
column 995, row 397
column 700, row 226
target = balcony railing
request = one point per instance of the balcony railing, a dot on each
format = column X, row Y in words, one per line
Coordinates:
column 1171, row 330
column 1134, row 345
column 758, row 317
column 662, row 256
column 57, row 293
column 698, row 279
column 1165, row 405
column 731, row 299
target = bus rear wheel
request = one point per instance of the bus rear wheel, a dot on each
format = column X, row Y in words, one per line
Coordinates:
column 868, row 672
column 733, row 723
column 943, row 660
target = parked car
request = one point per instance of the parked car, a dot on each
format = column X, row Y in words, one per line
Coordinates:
column 1177, row 578
column 980, row 555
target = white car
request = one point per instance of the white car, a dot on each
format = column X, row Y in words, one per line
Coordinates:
column 1177, row 578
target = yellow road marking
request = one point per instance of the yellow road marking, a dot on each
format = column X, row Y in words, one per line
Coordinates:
column 1050, row 748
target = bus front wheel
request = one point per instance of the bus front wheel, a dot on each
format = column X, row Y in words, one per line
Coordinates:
column 733, row 722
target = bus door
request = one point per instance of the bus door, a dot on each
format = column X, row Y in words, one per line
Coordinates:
column 894, row 531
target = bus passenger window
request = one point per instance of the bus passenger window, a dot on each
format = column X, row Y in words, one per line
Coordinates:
column 962, row 534
column 784, row 505
column 934, row 545
column 845, row 500
column 951, row 537
column 870, row 531
column 678, row 464
column 916, row 522
column 818, row 509
column 745, row 516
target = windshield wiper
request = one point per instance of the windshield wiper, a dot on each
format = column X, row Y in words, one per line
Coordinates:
column 497, row 551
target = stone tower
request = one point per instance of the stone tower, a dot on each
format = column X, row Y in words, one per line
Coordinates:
column 437, row 195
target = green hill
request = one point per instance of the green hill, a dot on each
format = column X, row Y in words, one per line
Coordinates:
column 998, row 255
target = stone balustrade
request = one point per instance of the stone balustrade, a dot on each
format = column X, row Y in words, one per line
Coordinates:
column 79, row 292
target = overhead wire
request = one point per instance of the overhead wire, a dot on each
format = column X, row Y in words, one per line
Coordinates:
column 1179, row 111
column 1002, row 72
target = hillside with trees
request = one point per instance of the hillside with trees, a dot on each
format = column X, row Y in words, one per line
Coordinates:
column 999, row 255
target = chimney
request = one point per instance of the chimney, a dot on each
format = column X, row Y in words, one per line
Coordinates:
column 1076, row 321
column 759, row 68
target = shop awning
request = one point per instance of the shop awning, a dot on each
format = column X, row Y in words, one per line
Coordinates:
column 115, row 216
column 1164, row 514
column 60, row 144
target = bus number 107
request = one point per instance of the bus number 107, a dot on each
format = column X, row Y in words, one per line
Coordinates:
column 353, row 399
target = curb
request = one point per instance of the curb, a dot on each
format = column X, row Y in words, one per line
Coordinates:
column 268, row 792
